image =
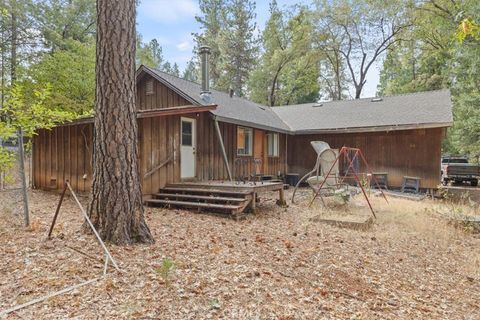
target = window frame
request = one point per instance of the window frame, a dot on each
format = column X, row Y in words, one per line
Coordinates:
column 249, row 152
column 275, row 138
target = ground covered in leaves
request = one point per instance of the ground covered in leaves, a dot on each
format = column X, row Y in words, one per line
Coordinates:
column 276, row 264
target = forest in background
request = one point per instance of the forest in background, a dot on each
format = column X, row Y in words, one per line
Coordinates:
column 304, row 53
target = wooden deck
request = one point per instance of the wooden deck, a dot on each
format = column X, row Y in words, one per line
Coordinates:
column 259, row 186
column 215, row 196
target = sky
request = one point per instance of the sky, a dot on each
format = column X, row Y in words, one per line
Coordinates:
column 172, row 23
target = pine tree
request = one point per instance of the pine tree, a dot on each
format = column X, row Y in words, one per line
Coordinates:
column 175, row 70
column 149, row 54
column 61, row 21
column 212, row 22
column 116, row 207
column 239, row 46
column 191, row 73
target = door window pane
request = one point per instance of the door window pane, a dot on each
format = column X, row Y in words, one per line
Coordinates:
column 186, row 133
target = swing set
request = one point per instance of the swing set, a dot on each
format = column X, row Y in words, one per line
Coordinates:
column 352, row 159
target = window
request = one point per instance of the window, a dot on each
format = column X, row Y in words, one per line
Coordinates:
column 187, row 133
column 149, row 87
column 244, row 141
column 273, row 144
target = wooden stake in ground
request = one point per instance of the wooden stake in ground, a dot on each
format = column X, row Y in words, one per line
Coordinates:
column 116, row 207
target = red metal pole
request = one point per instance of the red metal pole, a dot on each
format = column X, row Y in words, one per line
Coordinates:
column 361, row 187
column 375, row 179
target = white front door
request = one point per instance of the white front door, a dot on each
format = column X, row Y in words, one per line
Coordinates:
column 188, row 146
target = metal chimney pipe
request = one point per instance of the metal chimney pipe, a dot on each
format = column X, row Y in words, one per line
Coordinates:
column 204, row 52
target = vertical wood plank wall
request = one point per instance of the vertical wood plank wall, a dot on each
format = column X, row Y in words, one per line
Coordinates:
column 400, row 153
column 209, row 154
column 61, row 154
column 162, row 96
column 65, row 153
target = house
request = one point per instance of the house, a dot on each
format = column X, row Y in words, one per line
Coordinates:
column 189, row 132
column 400, row 135
column 185, row 130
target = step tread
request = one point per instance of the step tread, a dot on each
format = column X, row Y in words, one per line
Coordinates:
column 196, row 196
column 195, row 204
column 200, row 190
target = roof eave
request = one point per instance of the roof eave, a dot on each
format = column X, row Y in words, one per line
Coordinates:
column 250, row 124
column 375, row 128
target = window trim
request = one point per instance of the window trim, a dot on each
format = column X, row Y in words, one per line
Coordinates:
column 250, row 151
column 277, row 149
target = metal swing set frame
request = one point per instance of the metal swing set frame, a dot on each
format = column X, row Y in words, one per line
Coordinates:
column 346, row 152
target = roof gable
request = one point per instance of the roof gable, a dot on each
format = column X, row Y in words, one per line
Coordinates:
column 229, row 109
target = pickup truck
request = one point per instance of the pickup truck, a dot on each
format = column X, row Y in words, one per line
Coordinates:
column 457, row 169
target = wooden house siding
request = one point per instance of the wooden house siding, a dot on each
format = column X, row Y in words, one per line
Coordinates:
column 61, row 154
column 65, row 153
column 210, row 158
column 400, row 153
column 161, row 97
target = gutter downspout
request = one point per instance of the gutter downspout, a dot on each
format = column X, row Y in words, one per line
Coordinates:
column 286, row 155
column 222, row 146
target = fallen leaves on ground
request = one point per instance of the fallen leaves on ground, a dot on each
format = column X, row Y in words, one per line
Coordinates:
column 276, row 264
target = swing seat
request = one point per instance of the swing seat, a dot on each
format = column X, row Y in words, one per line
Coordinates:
column 330, row 187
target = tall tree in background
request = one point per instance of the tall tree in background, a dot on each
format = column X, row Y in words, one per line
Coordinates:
column 422, row 60
column 333, row 78
column 432, row 58
column 71, row 75
column 116, row 207
column 365, row 30
column 19, row 43
column 191, row 72
column 288, row 69
column 212, row 22
column 149, row 54
column 239, row 46
column 465, row 134
column 17, row 38
column 61, row 21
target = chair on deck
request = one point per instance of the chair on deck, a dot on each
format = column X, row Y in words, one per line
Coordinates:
column 325, row 174
column 246, row 169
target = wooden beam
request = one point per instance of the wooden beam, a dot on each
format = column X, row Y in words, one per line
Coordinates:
column 222, row 146
column 151, row 113
column 174, row 111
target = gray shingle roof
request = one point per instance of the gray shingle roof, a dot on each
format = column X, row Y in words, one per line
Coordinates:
column 416, row 110
column 407, row 111
column 234, row 110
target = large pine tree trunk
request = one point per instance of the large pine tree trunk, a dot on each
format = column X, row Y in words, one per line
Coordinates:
column 116, row 207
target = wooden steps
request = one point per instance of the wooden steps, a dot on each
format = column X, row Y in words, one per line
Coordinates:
column 229, row 201
column 199, row 197
column 197, row 190
column 194, row 204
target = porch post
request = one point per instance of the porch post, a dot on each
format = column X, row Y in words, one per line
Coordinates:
column 222, row 146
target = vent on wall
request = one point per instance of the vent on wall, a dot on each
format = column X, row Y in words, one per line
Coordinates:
column 149, row 87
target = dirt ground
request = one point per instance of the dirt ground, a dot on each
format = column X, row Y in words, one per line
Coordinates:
column 276, row 264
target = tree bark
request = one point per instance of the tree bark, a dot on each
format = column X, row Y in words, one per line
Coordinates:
column 116, row 208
